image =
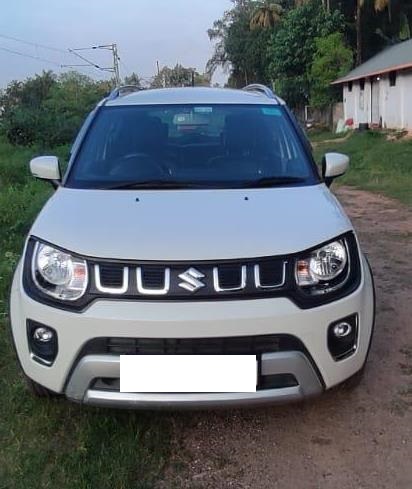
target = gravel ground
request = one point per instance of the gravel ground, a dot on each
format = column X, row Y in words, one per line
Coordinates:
column 344, row 439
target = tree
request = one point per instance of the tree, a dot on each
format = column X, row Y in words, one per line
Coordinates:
column 133, row 79
column 292, row 49
column 238, row 48
column 179, row 76
column 381, row 5
column 266, row 15
column 358, row 17
column 367, row 32
column 332, row 59
column 48, row 109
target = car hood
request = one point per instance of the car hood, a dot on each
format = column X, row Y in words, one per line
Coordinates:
column 190, row 224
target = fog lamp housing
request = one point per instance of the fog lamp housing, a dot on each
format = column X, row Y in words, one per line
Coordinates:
column 42, row 341
column 343, row 337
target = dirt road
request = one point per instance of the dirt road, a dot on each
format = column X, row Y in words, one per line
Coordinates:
column 342, row 440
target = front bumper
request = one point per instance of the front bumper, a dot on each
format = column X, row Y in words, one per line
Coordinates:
column 314, row 370
column 93, row 366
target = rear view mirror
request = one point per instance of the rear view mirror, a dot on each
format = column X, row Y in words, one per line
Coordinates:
column 334, row 165
column 46, row 168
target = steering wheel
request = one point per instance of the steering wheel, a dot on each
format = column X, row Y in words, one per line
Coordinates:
column 126, row 165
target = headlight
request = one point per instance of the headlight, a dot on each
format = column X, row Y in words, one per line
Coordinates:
column 59, row 274
column 323, row 270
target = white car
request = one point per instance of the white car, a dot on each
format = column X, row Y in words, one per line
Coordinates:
column 190, row 222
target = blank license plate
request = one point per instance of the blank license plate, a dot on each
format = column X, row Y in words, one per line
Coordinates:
column 188, row 373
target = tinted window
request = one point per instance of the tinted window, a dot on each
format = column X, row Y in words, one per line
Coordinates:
column 207, row 146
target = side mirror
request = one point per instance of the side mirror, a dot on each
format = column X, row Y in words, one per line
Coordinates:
column 334, row 165
column 46, row 168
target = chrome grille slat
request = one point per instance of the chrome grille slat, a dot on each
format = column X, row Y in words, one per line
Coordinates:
column 142, row 289
column 119, row 290
column 185, row 281
column 216, row 280
column 259, row 282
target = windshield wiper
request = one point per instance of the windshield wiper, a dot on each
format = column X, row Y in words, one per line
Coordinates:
column 176, row 184
column 151, row 184
column 272, row 182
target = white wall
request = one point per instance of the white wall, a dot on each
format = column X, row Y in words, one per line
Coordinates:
column 406, row 100
column 395, row 103
column 391, row 102
column 357, row 102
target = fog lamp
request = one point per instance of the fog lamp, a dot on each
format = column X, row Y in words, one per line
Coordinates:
column 342, row 329
column 43, row 342
column 43, row 335
column 342, row 337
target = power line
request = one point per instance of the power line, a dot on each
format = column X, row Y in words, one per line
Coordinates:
column 43, row 60
column 51, row 48
column 90, row 64
column 73, row 51
column 125, row 67
column 16, row 39
column 38, row 58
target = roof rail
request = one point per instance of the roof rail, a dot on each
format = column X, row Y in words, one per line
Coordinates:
column 262, row 89
column 123, row 90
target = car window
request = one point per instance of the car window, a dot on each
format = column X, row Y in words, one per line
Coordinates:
column 203, row 145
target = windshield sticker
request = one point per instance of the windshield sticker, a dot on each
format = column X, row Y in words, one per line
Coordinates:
column 203, row 110
column 271, row 111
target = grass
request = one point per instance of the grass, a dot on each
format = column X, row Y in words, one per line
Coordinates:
column 53, row 443
column 317, row 135
column 376, row 164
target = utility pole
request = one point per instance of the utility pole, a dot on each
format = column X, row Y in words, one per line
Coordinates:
column 115, row 70
column 111, row 47
column 116, row 64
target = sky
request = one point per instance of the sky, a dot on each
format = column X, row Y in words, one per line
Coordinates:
column 145, row 31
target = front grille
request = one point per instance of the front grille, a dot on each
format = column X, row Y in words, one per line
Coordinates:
column 230, row 276
column 111, row 275
column 153, row 277
column 236, row 345
column 198, row 280
column 270, row 273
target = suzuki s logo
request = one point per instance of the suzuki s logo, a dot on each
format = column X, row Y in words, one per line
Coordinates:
column 191, row 280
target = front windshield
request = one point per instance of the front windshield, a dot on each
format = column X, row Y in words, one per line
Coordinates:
column 198, row 146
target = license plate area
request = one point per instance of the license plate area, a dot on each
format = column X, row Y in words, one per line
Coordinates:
column 188, row 373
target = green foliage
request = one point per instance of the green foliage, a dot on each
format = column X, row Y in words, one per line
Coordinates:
column 269, row 41
column 266, row 15
column 238, row 46
column 179, row 76
column 375, row 163
column 292, row 49
column 48, row 109
column 133, row 79
column 332, row 59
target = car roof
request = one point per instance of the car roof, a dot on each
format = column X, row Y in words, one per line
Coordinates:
column 193, row 95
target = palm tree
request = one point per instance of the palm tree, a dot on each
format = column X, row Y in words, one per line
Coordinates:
column 359, row 6
column 379, row 6
column 266, row 15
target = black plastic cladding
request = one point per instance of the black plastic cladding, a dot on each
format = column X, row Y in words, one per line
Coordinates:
column 290, row 289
